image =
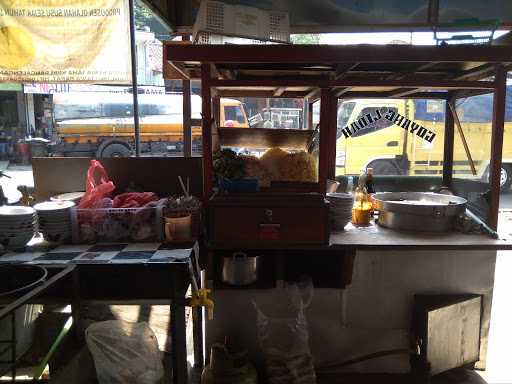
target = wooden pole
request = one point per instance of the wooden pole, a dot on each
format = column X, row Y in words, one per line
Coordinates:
column 323, row 161
column 187, row 114
column 187, row 119
column 309, row 115
column 462, row 136
column 206, row 96
column 498, row 126
column 449, row 136
column 133, row 57
column 331, row 141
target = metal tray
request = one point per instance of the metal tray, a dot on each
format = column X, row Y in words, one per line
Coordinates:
column 419, row 211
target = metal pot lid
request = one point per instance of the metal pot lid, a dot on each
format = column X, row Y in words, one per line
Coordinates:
column 420, row 203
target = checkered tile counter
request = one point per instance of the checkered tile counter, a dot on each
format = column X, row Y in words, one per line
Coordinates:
column 135, row 253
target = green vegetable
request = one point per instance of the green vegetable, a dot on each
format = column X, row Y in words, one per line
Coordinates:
column 227, row 165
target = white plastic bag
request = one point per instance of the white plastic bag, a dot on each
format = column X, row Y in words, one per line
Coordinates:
column 124, row 353
column 284, row 337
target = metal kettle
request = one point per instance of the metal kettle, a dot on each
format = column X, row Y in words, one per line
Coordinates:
column 240, row 269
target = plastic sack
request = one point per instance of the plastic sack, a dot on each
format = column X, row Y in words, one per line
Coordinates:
column 124, row 353
column 284, row 338
column 96, row 191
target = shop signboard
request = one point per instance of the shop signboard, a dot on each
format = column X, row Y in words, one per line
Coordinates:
column 64, row 41
column 51, row 89
column 10, row 87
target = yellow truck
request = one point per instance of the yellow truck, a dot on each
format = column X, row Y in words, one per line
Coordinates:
column 101, row 125
column 388, row 146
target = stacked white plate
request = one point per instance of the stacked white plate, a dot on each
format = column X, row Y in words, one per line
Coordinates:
column 54, row 219
column 17, row 226
column 340, row 209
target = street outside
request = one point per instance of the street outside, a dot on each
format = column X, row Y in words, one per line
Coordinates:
column 498, row 369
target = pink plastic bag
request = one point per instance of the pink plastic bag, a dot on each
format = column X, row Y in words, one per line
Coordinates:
column 96, row 191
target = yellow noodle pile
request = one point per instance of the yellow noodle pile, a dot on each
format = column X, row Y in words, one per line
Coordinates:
column 279, row 165
column 254, row 169
column 300, row 166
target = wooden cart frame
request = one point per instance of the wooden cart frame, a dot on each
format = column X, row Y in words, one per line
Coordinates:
column 330, row 72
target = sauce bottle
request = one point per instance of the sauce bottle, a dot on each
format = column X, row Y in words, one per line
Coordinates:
column 362, row 208
column 369, row 186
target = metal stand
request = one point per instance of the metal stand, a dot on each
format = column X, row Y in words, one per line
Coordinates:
column 12, row 347
column 106, row 283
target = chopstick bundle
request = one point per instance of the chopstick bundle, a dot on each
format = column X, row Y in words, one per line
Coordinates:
column 185, row 189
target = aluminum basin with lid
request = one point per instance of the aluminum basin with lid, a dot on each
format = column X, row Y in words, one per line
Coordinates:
column 419, row 211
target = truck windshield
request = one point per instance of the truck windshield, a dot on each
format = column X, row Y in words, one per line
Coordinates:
column 344, row 112
column 234, row 113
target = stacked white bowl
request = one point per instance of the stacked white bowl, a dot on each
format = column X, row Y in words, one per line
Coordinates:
column 17, row 226
column 54, row 219
column 340, row 209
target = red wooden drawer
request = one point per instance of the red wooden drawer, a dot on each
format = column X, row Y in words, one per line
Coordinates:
column 275, row 220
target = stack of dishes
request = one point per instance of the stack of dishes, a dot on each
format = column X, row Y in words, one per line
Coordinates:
column 55, row 220
column 340, row 207
column 70, row 196
column 17, row 226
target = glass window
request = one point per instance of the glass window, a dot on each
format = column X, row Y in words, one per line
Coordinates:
column 401, row 137
column 376, row 125
column 235, row 113
column 475, row 115
column 344, row 112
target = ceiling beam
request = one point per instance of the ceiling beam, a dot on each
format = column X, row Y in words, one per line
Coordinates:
column 470, row 92
column 477, row 73
column 385, row 95
column 227, row 74
column 401, row 92
column 175, row 71
column 339, row 92
column 215, row 72
column 343, row 69
column 261, row 94
column 313, row 95
column 320, row 83
column 420, row 68
column 339, row 54
column 279, row 91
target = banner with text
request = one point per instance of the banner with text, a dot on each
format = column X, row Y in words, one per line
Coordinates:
column 52, row 89
column 61, row 41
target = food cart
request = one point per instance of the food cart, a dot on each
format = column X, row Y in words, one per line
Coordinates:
column 369, row 280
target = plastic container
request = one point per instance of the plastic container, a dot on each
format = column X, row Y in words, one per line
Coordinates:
column 186, row 223
column 117, row 225
column 217, row 19
column 239, row 186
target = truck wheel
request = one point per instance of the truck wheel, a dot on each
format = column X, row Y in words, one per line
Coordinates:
column 505, row 177
column 114, row 150
column 384, row 168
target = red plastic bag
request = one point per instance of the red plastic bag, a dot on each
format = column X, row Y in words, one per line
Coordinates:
column 133, row 199
column 96, row 191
